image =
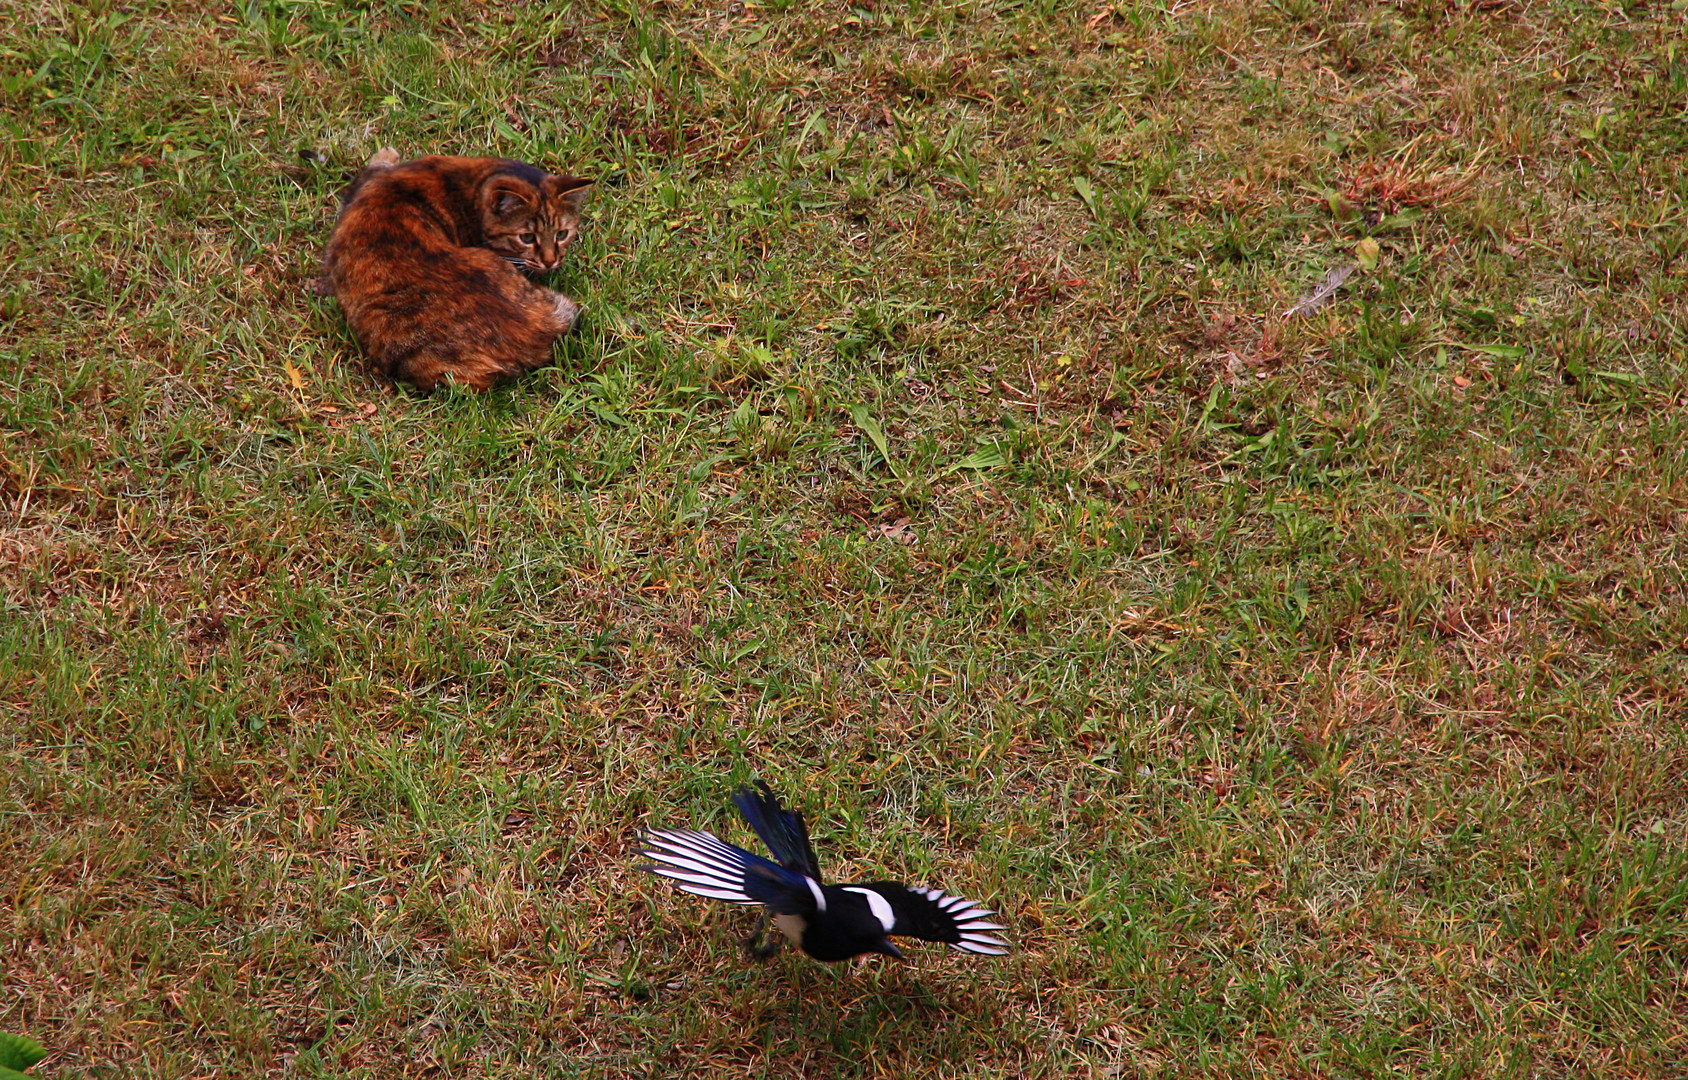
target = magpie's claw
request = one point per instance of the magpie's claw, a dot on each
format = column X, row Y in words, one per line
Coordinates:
column 755, row 946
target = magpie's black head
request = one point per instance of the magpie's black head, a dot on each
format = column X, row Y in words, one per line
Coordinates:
column 884, row 946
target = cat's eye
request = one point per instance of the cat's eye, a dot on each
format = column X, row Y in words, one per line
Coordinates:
column 528, row 238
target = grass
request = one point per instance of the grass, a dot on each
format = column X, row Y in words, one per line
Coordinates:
column 1308, row 694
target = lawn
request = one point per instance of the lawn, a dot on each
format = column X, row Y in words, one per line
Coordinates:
column 1306, row 692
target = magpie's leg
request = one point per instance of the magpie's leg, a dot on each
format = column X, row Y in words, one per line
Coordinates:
column 755, row 946
column 754, row 941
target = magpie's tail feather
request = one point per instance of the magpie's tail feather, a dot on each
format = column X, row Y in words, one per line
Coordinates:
column 781, row 829
column 704, row 866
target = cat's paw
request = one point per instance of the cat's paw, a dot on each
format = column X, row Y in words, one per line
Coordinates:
column 385, row 158
column 566, row 311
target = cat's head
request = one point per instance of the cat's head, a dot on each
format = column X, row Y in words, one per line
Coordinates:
column 530, row 217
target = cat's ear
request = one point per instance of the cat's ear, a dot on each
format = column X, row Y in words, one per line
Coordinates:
column 571, row 190
column 506, row 198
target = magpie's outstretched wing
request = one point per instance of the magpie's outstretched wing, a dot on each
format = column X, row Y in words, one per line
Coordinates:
column 934, row 916
column 704, row 866
column 781, row 829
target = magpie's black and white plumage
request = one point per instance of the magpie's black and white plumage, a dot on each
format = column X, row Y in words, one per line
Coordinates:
column 829, row 922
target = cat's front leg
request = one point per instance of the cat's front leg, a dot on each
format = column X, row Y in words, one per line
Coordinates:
column 565, row 312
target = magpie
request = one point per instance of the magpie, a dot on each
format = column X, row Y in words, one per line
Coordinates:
column 829, row 922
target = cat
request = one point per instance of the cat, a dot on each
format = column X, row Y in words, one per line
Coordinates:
column 428, row 258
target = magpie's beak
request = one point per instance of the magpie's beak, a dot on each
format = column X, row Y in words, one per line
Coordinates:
column 889, row 949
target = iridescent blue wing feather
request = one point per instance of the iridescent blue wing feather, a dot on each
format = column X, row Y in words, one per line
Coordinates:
column 705, row 866
column 781, row 829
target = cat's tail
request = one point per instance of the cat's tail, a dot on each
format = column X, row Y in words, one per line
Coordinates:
column 384, row 159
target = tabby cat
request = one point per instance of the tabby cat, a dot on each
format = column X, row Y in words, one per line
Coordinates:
column 428, row 259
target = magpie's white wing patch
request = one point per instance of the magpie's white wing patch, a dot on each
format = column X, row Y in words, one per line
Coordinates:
column 877, row 904
column 701, row 864
column 968, row 922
